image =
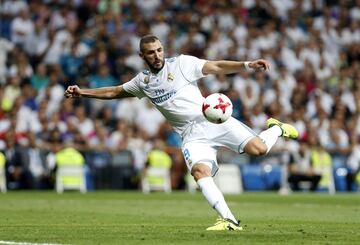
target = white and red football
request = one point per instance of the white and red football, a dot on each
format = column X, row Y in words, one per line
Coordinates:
column 217, row 108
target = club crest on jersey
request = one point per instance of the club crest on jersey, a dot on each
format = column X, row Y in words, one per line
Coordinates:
column 170, row 77
column 147, row 79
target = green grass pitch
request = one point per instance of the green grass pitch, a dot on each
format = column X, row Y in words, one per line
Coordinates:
column 177, row 218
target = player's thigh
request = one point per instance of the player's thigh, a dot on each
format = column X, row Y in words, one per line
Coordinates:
column 200, row 153
column 234, row 135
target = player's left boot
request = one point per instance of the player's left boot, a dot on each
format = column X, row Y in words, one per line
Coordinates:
column 288, row 130
column 225, row 225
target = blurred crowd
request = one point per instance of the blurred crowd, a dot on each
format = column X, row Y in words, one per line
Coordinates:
column 313, row 47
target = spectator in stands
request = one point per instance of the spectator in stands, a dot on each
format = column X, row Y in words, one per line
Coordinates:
column 37, row 41
column 108, row 119
column 61, row 16
column 18, row 173
column 336, row 142
column 353, row 164
column 11, row 8
column 40, row 80
column 149, row 119
column 157, row 158
column 322, row 162
column 56, row 123
column 100, row 79
column 36, row 159
column 21, row 28
column 138, row 145
column 21, row 67
column 52, row 94
column 118, row 136
column 301, row 169
column 29, row 95
column 5, row 47
column 258, row 118
column 84, row 124
column 99, row 138
column 70, row 63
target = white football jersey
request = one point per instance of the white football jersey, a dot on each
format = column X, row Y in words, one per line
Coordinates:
column 173, row 90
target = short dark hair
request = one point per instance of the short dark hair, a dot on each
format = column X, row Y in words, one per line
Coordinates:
column 147, row 39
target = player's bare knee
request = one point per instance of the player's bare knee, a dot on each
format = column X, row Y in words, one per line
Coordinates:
column 199, row 171
column 261, row 149
column 256, row 148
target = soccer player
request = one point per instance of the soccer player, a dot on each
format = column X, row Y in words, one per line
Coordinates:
column 171, row 85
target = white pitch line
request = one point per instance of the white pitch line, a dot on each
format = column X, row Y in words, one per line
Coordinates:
column 27, row 243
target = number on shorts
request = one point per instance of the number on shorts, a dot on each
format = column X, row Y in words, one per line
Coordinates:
column 186, row 154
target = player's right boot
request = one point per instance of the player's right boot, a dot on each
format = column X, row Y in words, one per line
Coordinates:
column 288, row 130
column 225, row 225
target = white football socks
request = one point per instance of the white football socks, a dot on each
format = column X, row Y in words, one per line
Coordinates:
column 270, row 136
column 215, row 198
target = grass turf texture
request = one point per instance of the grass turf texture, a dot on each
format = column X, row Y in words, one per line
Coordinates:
column 177, row 218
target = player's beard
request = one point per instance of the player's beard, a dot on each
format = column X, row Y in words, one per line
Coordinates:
column 153, row 68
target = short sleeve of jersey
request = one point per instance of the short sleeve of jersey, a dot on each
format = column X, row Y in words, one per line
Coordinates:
column 133, row 87
column 191, row 67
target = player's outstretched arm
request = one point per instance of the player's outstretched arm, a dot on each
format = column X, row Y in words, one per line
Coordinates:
column 105, row 93
column 229, row 67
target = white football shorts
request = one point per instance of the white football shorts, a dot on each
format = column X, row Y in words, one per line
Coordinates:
column 201, row 141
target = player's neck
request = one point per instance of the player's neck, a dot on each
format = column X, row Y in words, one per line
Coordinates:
column 154, row 70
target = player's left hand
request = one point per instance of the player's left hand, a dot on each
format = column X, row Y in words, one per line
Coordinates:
column 259, row 64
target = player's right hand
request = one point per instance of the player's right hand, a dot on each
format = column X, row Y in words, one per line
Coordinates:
column 72, row 92
column 260, row 64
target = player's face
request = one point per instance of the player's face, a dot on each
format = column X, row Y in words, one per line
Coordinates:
column 153, row 54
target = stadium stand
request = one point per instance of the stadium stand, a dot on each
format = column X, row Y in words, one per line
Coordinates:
column 313, row 47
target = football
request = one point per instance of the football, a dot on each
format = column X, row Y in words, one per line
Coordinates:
column 217, row 108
